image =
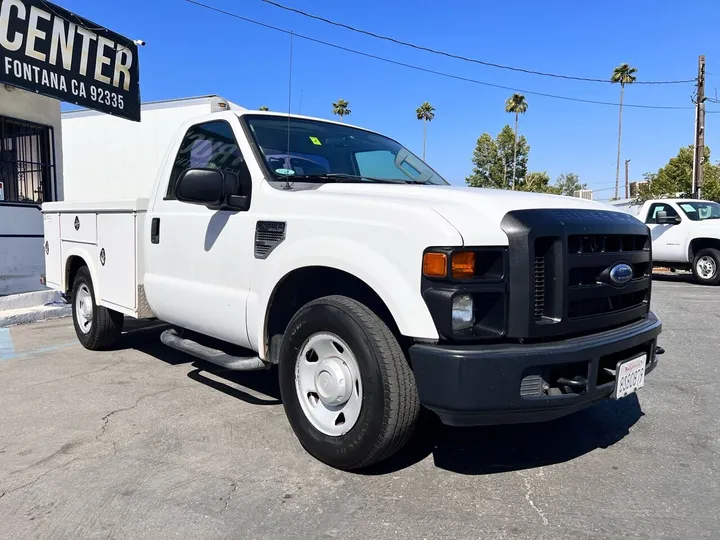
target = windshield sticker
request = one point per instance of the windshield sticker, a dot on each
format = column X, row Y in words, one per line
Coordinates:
column 315, row 141
column 285, row 172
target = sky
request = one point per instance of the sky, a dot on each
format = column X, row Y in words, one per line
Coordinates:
column 193, row 51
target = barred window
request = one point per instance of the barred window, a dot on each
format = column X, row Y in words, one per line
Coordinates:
column 27, row 164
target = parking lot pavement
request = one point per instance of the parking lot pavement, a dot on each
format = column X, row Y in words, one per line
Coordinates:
column 143, row 442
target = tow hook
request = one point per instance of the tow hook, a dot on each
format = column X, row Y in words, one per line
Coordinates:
column 576, row 383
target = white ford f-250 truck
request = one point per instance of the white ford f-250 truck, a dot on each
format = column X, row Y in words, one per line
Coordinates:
column 685, row 235
column 336, row 254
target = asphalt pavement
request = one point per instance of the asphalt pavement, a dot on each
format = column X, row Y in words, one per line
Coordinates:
column 145, row 443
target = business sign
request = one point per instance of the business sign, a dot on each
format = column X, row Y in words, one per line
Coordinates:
column 51, row 51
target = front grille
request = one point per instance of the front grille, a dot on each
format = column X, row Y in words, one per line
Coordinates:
column 560, row 265
column 600, row 306
column 607, row 243
column 589, row 276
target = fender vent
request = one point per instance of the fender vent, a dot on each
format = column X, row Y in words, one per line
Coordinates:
column 268, row 236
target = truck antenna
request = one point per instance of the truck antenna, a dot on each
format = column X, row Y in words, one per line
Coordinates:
column 288, row 185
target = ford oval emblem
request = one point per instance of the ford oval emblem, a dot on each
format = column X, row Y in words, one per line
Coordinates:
column 621, row 273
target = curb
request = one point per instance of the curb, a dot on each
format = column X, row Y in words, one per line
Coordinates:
column 14, row 317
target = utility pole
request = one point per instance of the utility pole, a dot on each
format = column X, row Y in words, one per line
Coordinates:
column 699, row 156
column 627, row 180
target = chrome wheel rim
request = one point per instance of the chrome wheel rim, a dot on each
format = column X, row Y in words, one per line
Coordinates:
column 84, row 308
column 328, row 384
column 706, row 267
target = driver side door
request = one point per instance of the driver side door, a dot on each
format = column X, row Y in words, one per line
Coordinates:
column 197, row 261
column 668, row 239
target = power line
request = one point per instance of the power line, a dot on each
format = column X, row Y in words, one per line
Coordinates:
column 457, row 56
column 432, row 71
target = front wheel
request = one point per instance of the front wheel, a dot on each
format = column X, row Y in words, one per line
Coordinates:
column 346, row 385
column 97, row 327
column 706, row 266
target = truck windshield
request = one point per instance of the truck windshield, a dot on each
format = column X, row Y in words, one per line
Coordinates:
column 701, row 210
column 315, row 151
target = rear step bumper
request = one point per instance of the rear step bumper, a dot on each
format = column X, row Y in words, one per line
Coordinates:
column 513, row 383
column 236, row 363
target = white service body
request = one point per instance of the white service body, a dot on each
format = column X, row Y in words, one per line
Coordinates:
column 109, row 158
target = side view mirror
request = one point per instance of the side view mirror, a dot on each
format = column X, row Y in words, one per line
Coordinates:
column 213, row 188
column 662, row 218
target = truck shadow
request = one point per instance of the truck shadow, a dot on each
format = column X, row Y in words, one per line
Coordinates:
column 496, row 449
column 257, row 387
column 470, row 451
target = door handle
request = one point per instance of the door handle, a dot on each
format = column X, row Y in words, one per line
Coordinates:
column 155, row 231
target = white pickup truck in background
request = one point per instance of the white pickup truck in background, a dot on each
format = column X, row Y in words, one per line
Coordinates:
column 685, row 235
column 338, row 256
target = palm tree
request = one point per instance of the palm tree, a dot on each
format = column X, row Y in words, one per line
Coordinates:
column 517, row 105
column 341, row 108
column 263, row 108
column 623, row 74
column 426, row 113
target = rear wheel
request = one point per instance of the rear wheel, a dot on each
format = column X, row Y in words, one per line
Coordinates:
column 346, row 386
column 706, row 266
column 97, row 327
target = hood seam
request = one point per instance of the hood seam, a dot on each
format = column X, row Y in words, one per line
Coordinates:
column 462, row 239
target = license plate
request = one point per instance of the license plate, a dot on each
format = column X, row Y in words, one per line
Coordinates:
column 630, row 376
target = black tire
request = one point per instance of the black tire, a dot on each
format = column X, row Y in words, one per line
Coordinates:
column 105, row 324
column 704, row 278
column 390, row 405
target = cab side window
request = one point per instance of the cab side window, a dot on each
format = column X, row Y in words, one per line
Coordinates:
column 659, row 207
column 211, row 145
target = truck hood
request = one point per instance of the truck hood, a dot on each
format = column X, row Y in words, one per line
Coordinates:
column 476, row 213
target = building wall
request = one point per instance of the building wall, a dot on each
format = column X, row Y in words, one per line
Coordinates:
column 21, row 227
column 17, row 103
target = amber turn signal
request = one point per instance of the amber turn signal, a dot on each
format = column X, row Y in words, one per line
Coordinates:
column 435, row 265
column 463, row 264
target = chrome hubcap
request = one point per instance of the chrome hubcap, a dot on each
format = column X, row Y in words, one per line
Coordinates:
column 328, row 385
column 706, row 267
column 84, row 308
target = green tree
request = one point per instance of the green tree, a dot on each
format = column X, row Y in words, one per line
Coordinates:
column 516, row 105
column 538, row 182
column 513, row 155
column 623, row 74
column 493, row 160
column 263, row 108
column 711, row 182
column 342, row 108
column 426, row 113
column 568, row 184
column 485, row 165
column 675, row 178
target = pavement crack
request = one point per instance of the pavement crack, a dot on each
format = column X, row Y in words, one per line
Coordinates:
column 106, row 419
column 233, row 489
column 528, row 497
column 39, row 477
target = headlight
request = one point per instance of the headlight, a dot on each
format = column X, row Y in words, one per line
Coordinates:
column 463, row 313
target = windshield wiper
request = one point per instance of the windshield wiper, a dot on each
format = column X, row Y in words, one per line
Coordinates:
column 338, row 178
